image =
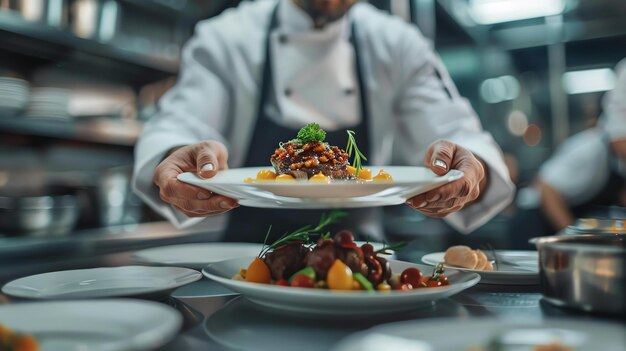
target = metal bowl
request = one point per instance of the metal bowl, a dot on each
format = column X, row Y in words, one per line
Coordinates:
column 585, row 272
column 46, row 215
column 597, row 226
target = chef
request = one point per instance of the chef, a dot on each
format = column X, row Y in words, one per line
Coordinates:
column 254, row 75
column 588, row 171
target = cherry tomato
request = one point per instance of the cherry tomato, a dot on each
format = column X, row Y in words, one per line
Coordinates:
column 411, row 276
column 302, row 281
column 443, row 280
column 429, row 282
column 367, row 249
column 433, row 284
column 282, row 282
column 345, row 239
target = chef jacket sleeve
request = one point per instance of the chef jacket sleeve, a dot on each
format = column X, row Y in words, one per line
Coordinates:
column 195, row 109
column 579, row 168
column 428, row 108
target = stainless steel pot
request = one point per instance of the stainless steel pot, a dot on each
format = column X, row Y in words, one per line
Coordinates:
column 585, row 272
column 46, row 215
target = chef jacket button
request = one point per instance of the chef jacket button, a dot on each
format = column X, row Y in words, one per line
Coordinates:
column 288, row 92
column 348, row 91
column 283, row 39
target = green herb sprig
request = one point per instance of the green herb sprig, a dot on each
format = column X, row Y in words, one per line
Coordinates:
column 387, row 248
column 352, row 148
column 304, row 233
column 310, row 133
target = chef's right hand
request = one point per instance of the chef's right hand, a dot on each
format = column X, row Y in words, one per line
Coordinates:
column 205, row 158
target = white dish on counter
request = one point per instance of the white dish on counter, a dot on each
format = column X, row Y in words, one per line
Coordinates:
column 407, row 182
column 101, row 282
column 447, row 334
column 110, row 325
column 322, row 302
column 195, row 256
column 515, row 267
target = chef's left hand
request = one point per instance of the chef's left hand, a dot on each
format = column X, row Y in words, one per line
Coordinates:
column 442, row 156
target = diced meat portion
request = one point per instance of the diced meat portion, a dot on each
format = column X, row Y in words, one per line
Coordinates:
column 309, row 159
column 286, row 260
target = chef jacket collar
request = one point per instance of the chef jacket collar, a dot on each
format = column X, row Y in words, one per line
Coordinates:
column 292, row 19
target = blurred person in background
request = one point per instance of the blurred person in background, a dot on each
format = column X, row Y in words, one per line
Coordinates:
column 253, row 76
column 588, row 171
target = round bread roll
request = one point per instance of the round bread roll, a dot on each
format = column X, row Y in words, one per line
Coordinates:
column 461, row 256
column 483, row 262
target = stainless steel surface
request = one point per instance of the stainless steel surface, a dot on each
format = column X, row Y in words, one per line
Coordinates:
column 597, row 226
column 48, row 215
column 230, row 322
column 585, row 272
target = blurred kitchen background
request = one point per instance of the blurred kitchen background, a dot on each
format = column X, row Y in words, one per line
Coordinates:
column 78, row 78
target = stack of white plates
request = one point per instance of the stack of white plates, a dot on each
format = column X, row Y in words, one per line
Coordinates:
column 49, row 103
column 13, row 95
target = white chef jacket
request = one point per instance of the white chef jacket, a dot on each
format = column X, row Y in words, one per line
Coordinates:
column 412, row 101
column 581, row 166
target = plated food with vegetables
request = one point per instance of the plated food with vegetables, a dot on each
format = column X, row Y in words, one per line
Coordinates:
column 336, row 263
column 310, row 272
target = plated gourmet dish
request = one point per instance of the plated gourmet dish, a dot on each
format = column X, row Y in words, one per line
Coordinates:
column 336, row 263
column 13, row 341
column 309, row 158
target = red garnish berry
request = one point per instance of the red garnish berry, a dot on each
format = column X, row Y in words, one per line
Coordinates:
column 345, row 240
column 367, row 249
column 411, row 276
column 282, row 282
column 302, row 281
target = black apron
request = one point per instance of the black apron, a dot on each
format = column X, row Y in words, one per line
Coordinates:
column 609, row 196
column 251, row 224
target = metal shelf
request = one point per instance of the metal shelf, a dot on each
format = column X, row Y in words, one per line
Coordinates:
column 99, row 131
column 49, row 43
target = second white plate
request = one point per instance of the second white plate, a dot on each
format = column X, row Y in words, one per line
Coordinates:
column 101, row 282
column 323, row 302
column 514, row 268
column 197, row 255
column 103, row 325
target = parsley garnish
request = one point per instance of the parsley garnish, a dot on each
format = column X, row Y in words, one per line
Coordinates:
column 353, row 148
column 304, row 233
column 310, row 133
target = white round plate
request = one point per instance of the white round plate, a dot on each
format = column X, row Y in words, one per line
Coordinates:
column 407, row 182
column 476, row 334
column 337, row 303
column 101, row 282
column 196, row 256
column 514, row 267
column 97, row 325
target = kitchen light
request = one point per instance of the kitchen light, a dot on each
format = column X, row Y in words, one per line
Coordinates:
column 588, row 81
column 497, row 11
column 517, row 122
column 499, row 89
